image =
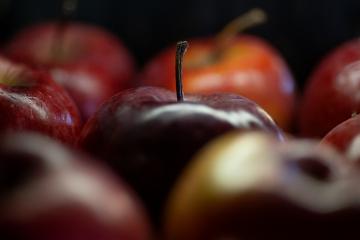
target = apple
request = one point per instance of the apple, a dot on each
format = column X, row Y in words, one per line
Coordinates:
column 346, row 138
column 332, row 92
column 244, row 65
column 249, row 186
column 149, row 134
column 89, row 62
column 49, row 192
column 31, row 100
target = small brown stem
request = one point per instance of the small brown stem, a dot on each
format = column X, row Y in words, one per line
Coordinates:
column 250, row 19
column 181, row 48
column 67, row 11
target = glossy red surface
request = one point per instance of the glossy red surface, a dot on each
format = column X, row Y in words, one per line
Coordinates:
column 31, row 100
column 49, row 192
column 248, row 67
column 332, row 94
column 148, row 137
column 346, row 138
column 90, row 63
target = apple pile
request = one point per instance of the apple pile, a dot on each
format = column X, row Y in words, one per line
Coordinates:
column 148, row 135
column 89, row 62
column 203, row 150
column 232, row 63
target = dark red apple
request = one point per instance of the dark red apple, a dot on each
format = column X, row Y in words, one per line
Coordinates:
column 332, row 94
column 31, row 100
column 244, row 65
column 148, row 136
column 249, row 186
column 89, row 62
column 48, row 192
column 346, row 138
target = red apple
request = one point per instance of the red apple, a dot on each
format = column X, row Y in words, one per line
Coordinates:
column 249, row 186
column 89, row 62
column 332, row 94
column 148, row 137
column 31, row 100
column 244, row 65
column 346, row 138
column 49, row 192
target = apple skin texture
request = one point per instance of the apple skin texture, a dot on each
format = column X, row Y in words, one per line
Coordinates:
column 148, row 137
column 332, row 93
column 248, row 186
column 248, row 67
column 346, row 138
column 89, row 62
column 31, row 100
column 49, row 192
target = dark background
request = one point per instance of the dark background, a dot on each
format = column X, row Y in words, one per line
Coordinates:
column 302, row 30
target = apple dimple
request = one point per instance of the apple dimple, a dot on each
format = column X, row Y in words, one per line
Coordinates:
column 312, row 167
column 14, row 75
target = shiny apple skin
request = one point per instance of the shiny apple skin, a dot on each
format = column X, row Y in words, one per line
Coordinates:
column 93, row 64
column 33, row 101
column 248, row 67
column 148, row 137
column 49, row 192
column 247, row 186
column 346, row 138
column 332, row 93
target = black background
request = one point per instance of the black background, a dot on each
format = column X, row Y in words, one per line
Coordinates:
column 302, row 30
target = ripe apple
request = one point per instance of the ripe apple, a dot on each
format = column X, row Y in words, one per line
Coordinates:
column 31, row 100
column 244, row 65
column 332, row 94
column 49, row 192
column 346, row 138
column 89, row 62
column 148, row 136
column 248, row 186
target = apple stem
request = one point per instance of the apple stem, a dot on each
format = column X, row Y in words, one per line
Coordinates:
column 181, row 48
column 250, row 19
column 67, row 11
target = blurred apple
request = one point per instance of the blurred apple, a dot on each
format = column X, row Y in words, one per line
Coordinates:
column 148, row 135
column 332, row 94
column 48, row 192
column 249, row 186
column 88, row 61
column 346, row 138
column 244, row 65
column 31, row 100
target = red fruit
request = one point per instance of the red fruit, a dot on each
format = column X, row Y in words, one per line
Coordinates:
column 49, row 192
column 89, row 62
column 243, row 65
column 346, row 138
column 148, row 137
column 332, row 94
column 31, row 100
